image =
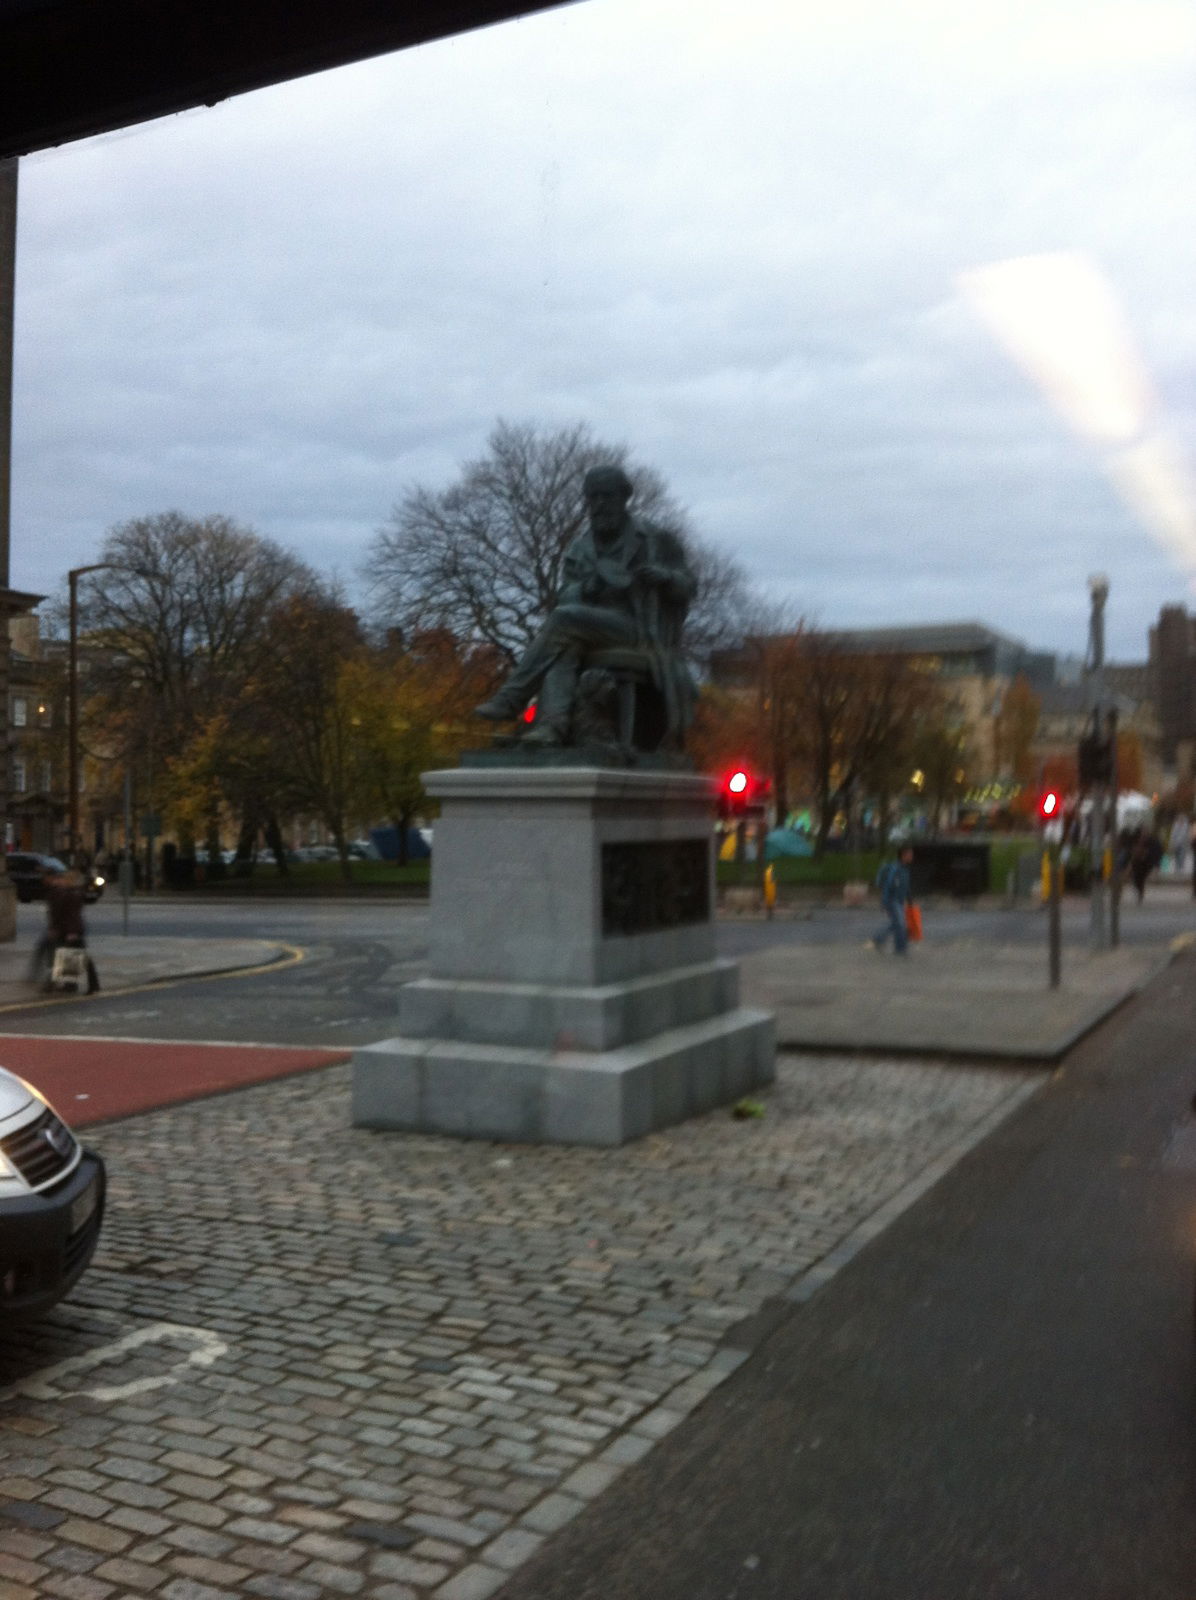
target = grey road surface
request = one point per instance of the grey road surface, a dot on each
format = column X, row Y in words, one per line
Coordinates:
column 357, row 952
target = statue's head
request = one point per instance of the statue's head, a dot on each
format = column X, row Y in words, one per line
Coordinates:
column 607, row 491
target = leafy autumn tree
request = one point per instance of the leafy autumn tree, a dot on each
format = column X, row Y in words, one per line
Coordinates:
column 411, row 713
column 851, row 718
column 943, row 752
column 1061, row 772
column 725, row 732
column 846, row 726
column 901, row 703
column 1016, row 728
column 302, row 682
column 238, row 762
column 1129, row 760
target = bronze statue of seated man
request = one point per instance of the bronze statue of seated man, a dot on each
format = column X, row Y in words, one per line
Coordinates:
column 625, row 584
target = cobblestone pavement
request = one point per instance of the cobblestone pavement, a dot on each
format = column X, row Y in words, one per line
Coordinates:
column 313, row 1361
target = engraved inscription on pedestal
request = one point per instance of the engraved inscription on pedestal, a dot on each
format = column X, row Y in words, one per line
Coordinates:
column 652, row 884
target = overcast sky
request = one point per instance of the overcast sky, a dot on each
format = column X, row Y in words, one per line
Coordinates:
column 730, row 235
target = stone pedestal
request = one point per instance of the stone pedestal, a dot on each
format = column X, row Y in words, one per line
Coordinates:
column 574, row 994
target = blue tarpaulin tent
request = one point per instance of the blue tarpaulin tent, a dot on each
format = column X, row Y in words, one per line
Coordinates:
column 386, row 842
column 787, row 842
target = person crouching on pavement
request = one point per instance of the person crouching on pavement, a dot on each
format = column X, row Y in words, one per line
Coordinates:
column 893, row 883
column 64, row 925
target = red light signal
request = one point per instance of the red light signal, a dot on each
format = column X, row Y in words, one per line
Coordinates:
column 743, row 794
column 1049, row 806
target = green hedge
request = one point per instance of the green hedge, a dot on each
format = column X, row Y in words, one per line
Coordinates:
column 320, row 876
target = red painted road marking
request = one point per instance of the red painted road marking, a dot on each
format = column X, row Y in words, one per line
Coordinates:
column 94, row 1080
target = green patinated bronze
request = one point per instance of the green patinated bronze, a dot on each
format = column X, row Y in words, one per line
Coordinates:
column 611, row 683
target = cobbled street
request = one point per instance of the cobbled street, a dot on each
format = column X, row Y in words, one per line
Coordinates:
column 312, row 1360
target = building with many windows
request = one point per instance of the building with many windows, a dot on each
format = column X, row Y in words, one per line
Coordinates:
column 37, row 808
column 1171, row 675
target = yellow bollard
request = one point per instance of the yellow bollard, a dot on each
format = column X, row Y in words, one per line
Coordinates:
column 770, row 889
column 1046, row 876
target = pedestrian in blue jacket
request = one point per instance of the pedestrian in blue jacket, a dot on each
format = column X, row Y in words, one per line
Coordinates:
column 893, row 882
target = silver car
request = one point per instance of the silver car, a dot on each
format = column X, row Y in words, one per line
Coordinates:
column 51, row 1203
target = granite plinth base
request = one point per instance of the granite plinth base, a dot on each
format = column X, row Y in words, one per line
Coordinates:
column 541, row 1016
column 574, row 994
column 487, row 1091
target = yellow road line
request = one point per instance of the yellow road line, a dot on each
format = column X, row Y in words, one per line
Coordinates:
column 294, row 955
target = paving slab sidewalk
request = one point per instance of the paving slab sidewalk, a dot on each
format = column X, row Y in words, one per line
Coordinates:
column 962, row 998
column 313, row 1360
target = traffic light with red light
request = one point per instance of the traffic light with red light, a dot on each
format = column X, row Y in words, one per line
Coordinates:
column 743, row 794
column 1050, row 806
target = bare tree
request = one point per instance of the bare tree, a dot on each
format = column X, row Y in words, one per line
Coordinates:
column 482, row 558
column 175, row 623
column 839, row 724
column 179, row 608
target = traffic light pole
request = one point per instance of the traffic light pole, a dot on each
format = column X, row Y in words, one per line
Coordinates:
column 1111, row 831
column 1098, row 925
column 1054, row 918
column 1098, row 929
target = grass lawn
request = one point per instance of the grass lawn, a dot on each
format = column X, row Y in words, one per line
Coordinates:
column 835, row 869
column 860, row 866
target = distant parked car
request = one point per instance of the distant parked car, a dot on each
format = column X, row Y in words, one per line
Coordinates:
column 51, row 1203
column 28, row 873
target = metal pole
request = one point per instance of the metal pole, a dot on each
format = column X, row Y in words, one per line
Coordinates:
column 1111, row 827
column 8, row 279
column 150, row 812
column 1098, row 931
column 1098, row 935
column 72, row 718
column 126, row 860
column 8, row 276
column 72, row 701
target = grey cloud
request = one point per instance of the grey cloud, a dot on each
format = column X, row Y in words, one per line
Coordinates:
column 730, row 243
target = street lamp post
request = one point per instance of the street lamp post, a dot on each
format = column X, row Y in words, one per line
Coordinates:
column 1098, row 928
column 72, row 707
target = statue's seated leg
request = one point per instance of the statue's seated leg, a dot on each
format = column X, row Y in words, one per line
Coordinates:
column 550, row 665
column 554, row 709
column 501, row 707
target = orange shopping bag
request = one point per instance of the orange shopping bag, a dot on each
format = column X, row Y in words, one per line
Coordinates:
column 913, row 921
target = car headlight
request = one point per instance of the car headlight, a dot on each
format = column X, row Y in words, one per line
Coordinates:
column 98, row 881
column 10, row 1180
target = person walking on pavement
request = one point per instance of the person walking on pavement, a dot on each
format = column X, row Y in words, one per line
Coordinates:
column 893, row 883
column 1181, row 831
column 1145, row 855
column 64, row 925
